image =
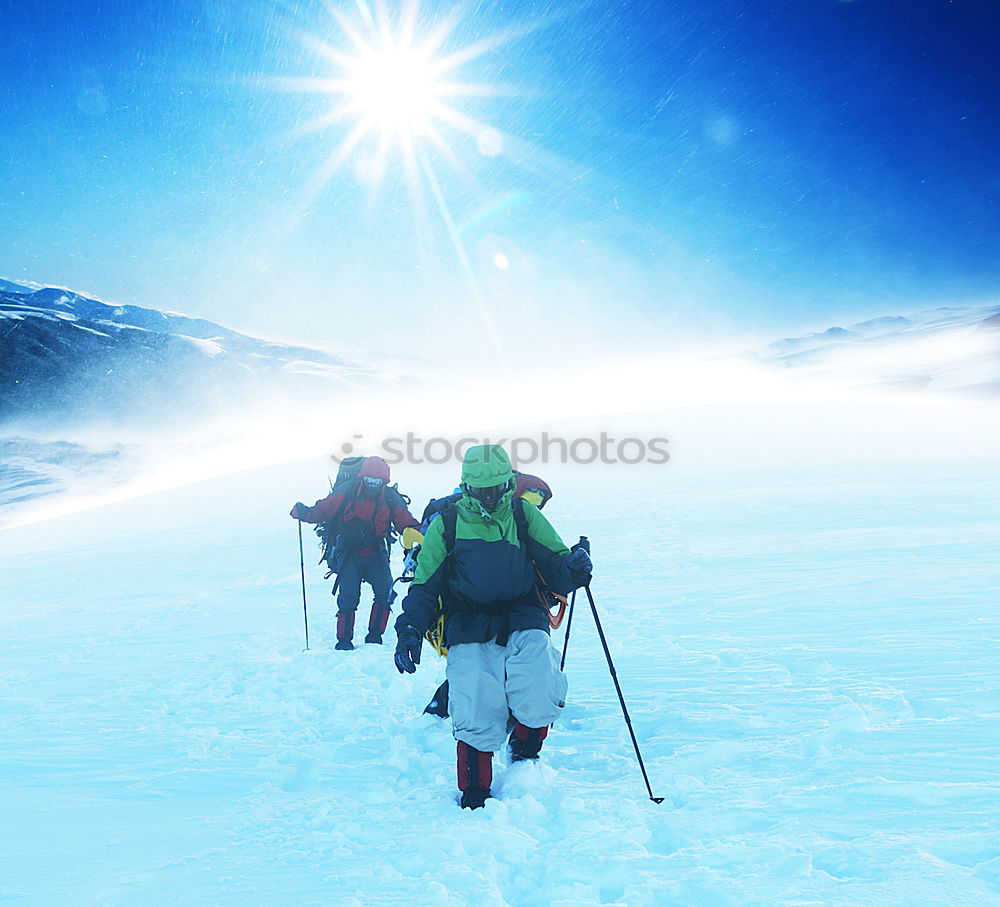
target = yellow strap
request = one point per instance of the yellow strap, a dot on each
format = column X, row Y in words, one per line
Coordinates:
column 435, row 635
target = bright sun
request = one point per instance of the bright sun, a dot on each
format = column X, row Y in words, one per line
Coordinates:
column 392, row 89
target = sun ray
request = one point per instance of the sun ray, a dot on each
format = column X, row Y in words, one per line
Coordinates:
column 441, row 32
column 323, row 49
column 353, row 35
column 397, row 80
column 435, row 138
column 399, row 85
column 458, row 120
column 366, row 13
column 317, row 182
column 415, row 189
column 318, row 123
column 476, row 89
column 380, row 161
column 470, row 274
column 298, row 84
column 408, row 22
column 474, row 51
column 383, row 23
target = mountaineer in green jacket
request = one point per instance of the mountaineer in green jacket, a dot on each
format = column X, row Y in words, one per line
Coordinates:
column 480, row 562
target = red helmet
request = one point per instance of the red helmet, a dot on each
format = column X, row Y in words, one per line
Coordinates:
column 376, row 468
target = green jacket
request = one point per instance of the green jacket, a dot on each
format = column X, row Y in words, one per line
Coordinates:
column 488, row 581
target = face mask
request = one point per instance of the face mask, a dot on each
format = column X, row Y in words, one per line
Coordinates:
column 372, row 485
column 489, row 496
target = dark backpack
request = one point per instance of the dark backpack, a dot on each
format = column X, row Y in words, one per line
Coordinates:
column 337, row 538
column 435, row 506
column 350, row 468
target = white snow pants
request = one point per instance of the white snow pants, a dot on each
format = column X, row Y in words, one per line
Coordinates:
column 485, row 680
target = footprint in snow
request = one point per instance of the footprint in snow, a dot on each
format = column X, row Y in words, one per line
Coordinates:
column 527, row 778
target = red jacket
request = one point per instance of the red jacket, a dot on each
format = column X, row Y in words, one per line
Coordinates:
column 353, row 503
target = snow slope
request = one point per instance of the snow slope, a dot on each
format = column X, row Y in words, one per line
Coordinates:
column 31, row 469
column 80, row 379
column 809, row 655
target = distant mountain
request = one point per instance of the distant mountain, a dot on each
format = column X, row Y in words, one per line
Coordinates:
column 792, row 345
column 954, row 349
column 9, row 286
column 66, row 359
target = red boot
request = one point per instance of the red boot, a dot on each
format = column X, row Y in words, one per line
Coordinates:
column 377, row 623
column 475, row 775
column 345, row 631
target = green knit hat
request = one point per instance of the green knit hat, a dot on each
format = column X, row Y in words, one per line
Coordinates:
column 485, row 465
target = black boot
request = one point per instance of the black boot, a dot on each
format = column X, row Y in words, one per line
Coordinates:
column 475, row 775
column 525, row 742
column 474, row 798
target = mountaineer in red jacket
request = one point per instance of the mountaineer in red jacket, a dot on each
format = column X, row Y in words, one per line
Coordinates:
column 367, row 508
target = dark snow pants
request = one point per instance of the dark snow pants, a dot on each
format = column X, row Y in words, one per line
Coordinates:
column 356, row 570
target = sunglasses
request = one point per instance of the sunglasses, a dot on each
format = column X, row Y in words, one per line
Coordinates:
column 489, row 496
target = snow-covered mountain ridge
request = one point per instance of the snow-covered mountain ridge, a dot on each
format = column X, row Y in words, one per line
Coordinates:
column 66, row 359
column 946, row 349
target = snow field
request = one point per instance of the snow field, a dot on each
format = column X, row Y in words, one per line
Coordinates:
column 809, row 662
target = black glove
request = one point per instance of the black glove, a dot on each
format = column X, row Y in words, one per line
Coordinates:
column 408, row 643
column 584, row 543
column 580, row 566
column 299, row 511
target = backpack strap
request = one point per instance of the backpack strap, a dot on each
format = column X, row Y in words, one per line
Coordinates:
column 435, row 506
column 449, row 524
column 395, row 498
column 449, row 520
column 329, row 530
column 521, row 521
column 405, row 499
column 392, row 499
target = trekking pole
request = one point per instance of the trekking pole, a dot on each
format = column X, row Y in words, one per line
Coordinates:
column 302, row 565
column 585, row 544
column 569, row 624
column 621, row 698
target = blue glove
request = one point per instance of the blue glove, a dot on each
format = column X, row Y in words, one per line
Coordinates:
column 408, row 643
column 580, row 566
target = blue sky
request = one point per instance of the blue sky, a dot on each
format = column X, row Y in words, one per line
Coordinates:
column 675, row 169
